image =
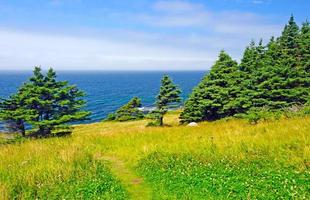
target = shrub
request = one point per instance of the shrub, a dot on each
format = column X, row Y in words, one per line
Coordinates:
column 129, row 111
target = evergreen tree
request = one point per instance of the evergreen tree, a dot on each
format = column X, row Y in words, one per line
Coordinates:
column 212, row 99
column 249, row 59
column 282, row 82
column 129, row 111
column 273, row 77
column 252, row 63
column 304, row 45
column 169, row 93
column 47, row 104
column 14, row 115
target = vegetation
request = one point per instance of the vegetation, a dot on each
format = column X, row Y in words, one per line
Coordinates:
column 274, row 77
column 169, row 93
column 44, row 103
column 221, row 160
column 130, row 111
column 224, row 159
column 188, row 176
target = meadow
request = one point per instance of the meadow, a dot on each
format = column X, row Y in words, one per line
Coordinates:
column 225, row 159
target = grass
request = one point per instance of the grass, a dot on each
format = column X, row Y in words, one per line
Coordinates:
column 187, row 176
column 113, row 160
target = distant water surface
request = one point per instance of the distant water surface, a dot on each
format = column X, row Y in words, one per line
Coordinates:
column 108, row 90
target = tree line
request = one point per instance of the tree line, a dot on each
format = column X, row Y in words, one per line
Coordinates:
column 271, row 77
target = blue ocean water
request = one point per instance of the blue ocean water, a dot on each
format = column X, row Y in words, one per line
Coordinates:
column 108, row 90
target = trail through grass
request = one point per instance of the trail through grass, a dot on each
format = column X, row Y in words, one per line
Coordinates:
column 112, row 160
column 134, row 184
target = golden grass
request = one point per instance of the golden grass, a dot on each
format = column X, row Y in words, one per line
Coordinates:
column 46, row 161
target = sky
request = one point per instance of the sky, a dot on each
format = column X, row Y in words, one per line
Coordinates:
column 136, row 34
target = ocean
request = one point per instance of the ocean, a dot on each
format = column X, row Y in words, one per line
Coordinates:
column 108, row 90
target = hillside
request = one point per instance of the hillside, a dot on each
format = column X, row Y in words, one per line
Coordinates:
column 112, row 160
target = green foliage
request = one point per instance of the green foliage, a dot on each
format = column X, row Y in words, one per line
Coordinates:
column 255, row 115
column 186, row 176
column 304, row 46
column 110, row 117
column 169, row 94
column 275, row 76
column 157, row 116
column 14, row 114
column 44, row 103
column 153, row 124
column 216, row 95
column 130, row 111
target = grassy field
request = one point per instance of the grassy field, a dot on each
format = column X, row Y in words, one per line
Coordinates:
column 229, row 159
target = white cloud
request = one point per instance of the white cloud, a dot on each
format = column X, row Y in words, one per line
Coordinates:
column 61, row 2
column 190, row 37
column 176, row 6
column 27, row 49
column 261, row 1
column 250, row 1
column 181, row 14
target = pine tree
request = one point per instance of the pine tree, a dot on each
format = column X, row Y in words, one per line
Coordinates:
column 282, row 82
column 212, row 98
column 252, row 62
column 272, row 77
column 46, row 104
column 304, row 45
column 169, row 93
column 129, row 111
column 288, row 43
column 248, row 67
column 13, row 114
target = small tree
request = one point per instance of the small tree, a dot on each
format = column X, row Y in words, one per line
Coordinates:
column 44, row 103
column 129, row 111
column 169, row 93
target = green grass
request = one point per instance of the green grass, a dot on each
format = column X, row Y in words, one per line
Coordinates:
column 88, row 179
column 186, row 176
column 113, row 160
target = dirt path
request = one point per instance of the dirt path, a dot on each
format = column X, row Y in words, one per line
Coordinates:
column 132, row 183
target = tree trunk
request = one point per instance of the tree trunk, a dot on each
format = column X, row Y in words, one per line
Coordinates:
column 47, row 131
column 161, row 120
column 22, row 129
column 44, row 131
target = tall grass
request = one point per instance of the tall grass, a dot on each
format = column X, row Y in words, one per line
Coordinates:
column 31, row 168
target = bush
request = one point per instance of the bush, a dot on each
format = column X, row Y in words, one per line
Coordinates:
column 153, row 123
column 110, row 117
column 129, row 111
column 260, row 114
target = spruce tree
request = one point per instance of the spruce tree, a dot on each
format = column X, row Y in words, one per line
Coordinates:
column 288, row 43
column 211, row 99
column 304, row 45
column 252, row 62
column 169, row 93
column 282, row 82
column 14, row 115
column 272, row 77
column 129, row 111
column 47, row 104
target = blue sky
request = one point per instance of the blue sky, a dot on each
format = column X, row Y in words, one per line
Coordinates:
column 136, row 35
